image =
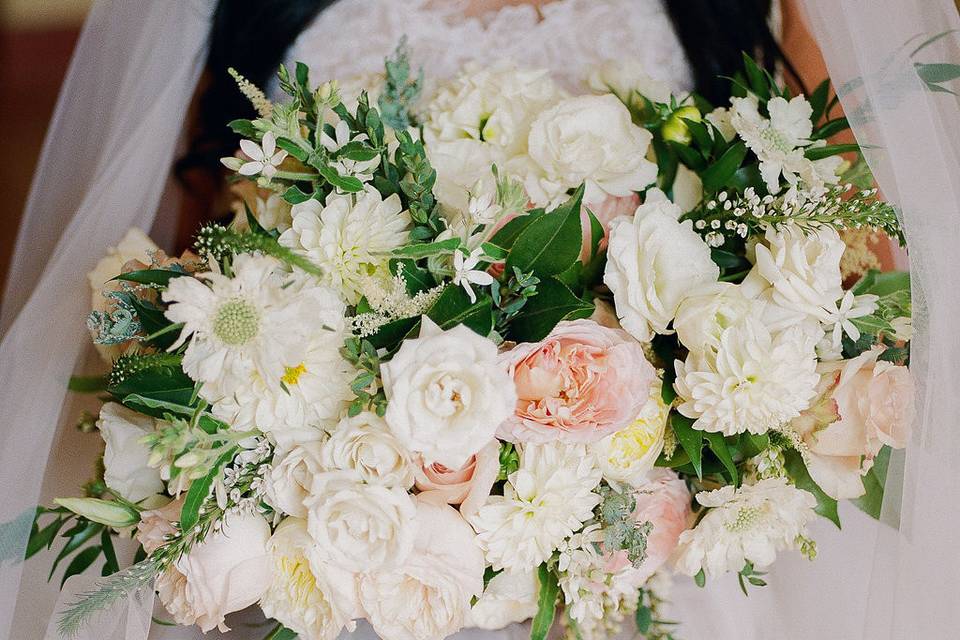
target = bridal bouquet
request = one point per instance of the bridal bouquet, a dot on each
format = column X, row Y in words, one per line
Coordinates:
column 496, row 354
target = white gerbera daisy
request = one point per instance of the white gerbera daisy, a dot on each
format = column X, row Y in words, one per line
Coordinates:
column 755, row 380
column 252, row 323
column 544, row 502
column 350, row 237
column 743, row 525
column 779, row 141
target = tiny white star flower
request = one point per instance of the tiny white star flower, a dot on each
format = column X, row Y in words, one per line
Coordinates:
column 465, row 274
column 482, row 206
column 360, row 169
column 264, row 157
column 849, row 307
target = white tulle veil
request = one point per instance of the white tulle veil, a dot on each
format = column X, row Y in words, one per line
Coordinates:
column 106, row 162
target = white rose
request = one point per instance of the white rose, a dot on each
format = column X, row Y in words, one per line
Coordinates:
column 307, row 595
column 629, row 454
column 653, row 263
column 357, row 526
column 428, row 596
column 447, row 394
column 125, row 457
column 227, row 572
column 287, row 484
column 592, row 140
column 511, row 596
column 624, row 76
column 701, row 318
column 687, row 189
column 365, row 445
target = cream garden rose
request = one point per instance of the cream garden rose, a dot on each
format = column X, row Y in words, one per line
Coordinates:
column 447, row 394
column 125, row 458
column 589, row 140
column 288, row 483
column 360, row 527
column 509, row 597
column 364, row 444
column 654, row 262
column 228, row 571
column 428, row 596
column 629, row 454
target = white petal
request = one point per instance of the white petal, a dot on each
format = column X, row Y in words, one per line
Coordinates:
column 278, row 157
column 481, row 278
column 252, row 150
column 251, row 169
column 269, row 144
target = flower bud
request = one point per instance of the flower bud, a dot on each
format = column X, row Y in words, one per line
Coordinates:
column 675, row 129
column 110, row 513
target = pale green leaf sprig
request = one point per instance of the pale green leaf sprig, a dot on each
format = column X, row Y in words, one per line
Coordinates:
column 401, row 89
column 620, row 532
column 116, row 325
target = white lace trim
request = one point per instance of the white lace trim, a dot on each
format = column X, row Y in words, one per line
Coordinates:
column 352, row 37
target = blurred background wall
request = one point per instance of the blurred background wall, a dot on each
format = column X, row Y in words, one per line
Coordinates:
column 36, row 39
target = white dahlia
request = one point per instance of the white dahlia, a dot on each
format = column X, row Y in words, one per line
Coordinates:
column 544, row 502
column 749, row 524
column 306, row 595
column 754, row 381
column 349, row 237
column 251, row 324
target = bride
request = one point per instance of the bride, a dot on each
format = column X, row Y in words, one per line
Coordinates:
column 683, row 44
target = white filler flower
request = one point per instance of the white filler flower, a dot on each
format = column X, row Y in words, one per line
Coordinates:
column 350, row 237
column 743, row 525
column 653, row 263
column 264, row 157
column 544, row 502
column 447, row 394
column 754, row 381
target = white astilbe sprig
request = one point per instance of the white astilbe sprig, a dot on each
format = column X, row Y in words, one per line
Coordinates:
column 253, row 93
column 391, row 303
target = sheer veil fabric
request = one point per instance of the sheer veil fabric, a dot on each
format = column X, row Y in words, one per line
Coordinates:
column 105, row 165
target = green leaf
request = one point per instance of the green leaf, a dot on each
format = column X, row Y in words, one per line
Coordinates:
column 757, row 78
column 293, row 149
column 831, row 128
column 826, row 506
column 718, row 445
column 43, row 538
column 689, row 156
column 819, row 153
column 493, row 251
column 347, row 184
column 80, row 563
column 87, row 384
column 428, row 249
column 596, row 234
column 883, row 283
column 717, row 175
column 554, row 302
column 78, row 536
column 109, row 554
column 643, row 618
column 546, row 603
column 417, row 279
column 160, row 277
column 690, row 439
column 280, row 632
column 453, row 307
column 700, row 579
column 243, row 128
column 551, row 243
column 294, row 195
column 818, row 100
column 200, row 491
column 508, row 233
column 874, row 481
column 937, row 71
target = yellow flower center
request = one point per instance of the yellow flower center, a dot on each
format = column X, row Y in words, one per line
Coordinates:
column 632, row 443
column 292, row 375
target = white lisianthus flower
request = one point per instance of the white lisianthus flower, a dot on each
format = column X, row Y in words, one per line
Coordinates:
column 544, row 502
column 591, row 140
column 749, row 524
column 308, row 596
column 365, row 445
column 287, row 485
column 228, row 571
column 242, row 326
column 125, row 458
column 653, row 263
column 349, row 237
column 624, row 76
column 510, row 597
column 703, row 317
column 447, row 394
column 779, row 141
column 428, row 596
column 360, row 527
column 755, row 380
column 629, row 454
column 495, row 104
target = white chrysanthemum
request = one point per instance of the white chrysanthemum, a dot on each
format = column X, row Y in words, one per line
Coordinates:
column 365, row 445
column 350, row 237
column 779, row 141
column 254, row 323
column 544, row 502
column 743, row 525
column 629, row 454
column 654, row 261
column 308, row 596
column 754, row 381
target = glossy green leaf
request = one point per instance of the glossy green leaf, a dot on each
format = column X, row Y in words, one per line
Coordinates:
column 554, row 302
column 717, row 175
column 199, row 492
column 80, row 563
column 551, row 243
column 453, row 307
column 826, row 506
column 546, row 603
column 428, row 249
column 690, row 439
column 717, row 444
column 871, row 502
column 819, row 153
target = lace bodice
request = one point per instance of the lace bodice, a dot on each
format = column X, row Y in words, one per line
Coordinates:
column 352, row 37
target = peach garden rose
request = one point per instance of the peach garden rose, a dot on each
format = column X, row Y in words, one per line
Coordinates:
column 469, row 486
column 581, row 383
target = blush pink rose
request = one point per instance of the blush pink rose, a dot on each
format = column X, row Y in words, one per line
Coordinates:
column 865, row 403
column 605, row 210
column 581, row 383
column 157, row 523
column 469, row 486
column 664, row 501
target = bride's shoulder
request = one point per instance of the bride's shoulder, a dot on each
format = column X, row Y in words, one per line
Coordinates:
column 352, row 37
